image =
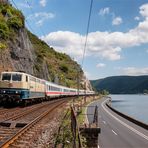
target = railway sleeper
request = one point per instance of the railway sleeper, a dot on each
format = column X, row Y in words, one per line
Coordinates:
column 19, row 145
column 25, row 138
column 13, row 124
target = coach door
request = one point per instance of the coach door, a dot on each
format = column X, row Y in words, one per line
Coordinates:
column 27, row 81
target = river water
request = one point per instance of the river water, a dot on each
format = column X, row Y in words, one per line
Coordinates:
column 135, row 106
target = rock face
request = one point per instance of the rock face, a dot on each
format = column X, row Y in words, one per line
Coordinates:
column 22, row 55
column 86, row 83
column 4, row 1
column 19, row 55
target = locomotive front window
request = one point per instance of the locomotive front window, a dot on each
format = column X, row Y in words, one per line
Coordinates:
column 16, row 77
column 6, row 77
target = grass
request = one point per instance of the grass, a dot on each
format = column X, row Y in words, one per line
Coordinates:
column 64, row 136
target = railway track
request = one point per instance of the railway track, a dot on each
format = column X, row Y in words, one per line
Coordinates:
column 12, row 136
column 2, row 111
column 11, row 114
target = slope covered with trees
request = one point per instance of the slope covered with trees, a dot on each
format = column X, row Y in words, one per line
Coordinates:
column 122, row 84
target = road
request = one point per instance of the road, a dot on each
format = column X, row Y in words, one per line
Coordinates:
column 117, row 132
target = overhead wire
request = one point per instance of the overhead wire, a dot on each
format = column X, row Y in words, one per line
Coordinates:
column 32, row 11
column 25, row 19
column 87, row 31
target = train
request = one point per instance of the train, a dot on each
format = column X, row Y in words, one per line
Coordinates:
column 21, row 87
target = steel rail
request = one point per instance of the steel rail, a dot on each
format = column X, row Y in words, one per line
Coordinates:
column 26, row 112
column 28, row 126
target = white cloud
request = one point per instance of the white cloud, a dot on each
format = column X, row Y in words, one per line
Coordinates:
column 137, row 18
column 100, row 65
column 117, row 21
column 43, row 3
column 144, row 10
column 104, row 11
column 66, row 42
column 40, row 17
column 106, row 45
column 24, row 5
column 44, row 15
column 135, row 71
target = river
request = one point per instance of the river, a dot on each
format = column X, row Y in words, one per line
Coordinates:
column 135, row 106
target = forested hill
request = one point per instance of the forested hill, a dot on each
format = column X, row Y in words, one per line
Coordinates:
column 122, row 84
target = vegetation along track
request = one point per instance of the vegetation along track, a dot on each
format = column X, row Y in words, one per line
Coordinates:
column 14, row 134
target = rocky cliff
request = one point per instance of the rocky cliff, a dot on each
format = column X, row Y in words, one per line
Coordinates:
column 19, row 54
column 20, row 50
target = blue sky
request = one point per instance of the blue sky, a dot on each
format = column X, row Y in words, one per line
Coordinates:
column 118, row 34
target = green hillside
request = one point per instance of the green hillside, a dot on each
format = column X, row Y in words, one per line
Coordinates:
column 122, row 84
column 59, row 65
column 11, row 20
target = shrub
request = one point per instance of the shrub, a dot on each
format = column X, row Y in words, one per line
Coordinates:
column 2, row 46
column 4, row 30
column 64, row 68
column 15, row 22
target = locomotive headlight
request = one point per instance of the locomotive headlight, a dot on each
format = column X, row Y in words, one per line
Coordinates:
column 16, row 92
column 4, row 91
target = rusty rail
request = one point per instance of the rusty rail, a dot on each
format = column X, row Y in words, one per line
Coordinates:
column 28, row 126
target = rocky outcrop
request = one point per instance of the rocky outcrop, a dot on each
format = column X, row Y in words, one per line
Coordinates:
column 22, row 55
column 86, row 83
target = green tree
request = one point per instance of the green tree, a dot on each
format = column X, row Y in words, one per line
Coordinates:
column 104, row 92
column 4, row 30
column 145, row 91
column 64, row 68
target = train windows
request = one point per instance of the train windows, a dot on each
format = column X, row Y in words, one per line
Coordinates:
column 49, row 87
column 65, row 90
column 32, row 79
column 38, row 80
column 16, row 77
column 6, row 76
column 54, row 88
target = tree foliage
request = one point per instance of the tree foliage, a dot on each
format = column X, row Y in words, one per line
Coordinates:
column 11, row 20
column 122, row 84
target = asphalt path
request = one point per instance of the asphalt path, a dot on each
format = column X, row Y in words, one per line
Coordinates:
column 116, row 132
